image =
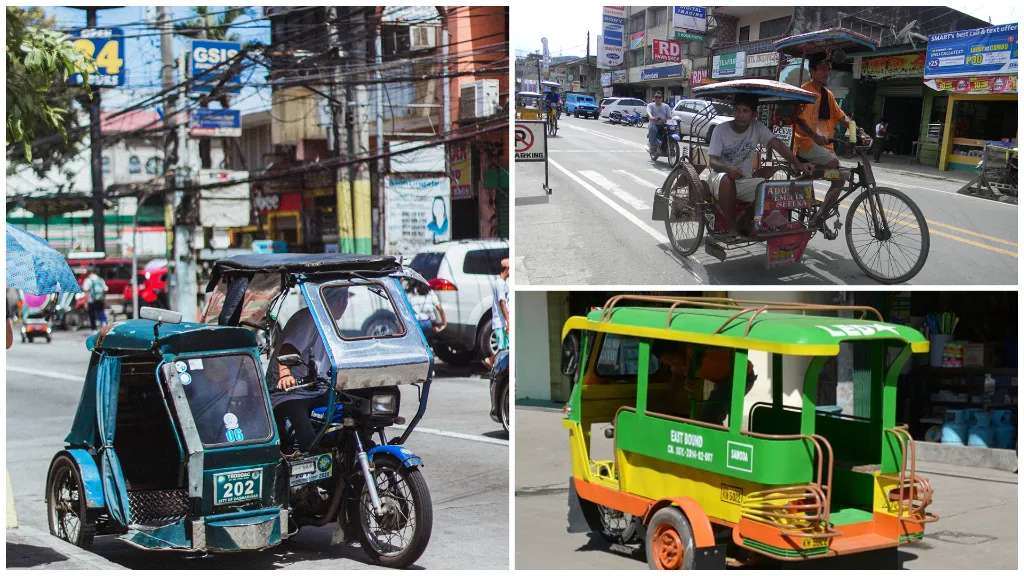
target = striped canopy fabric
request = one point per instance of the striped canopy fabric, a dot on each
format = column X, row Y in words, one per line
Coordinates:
column 35, row 267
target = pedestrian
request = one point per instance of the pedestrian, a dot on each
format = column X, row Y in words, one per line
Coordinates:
column 96, row 294
column 881, row 132
column 499, row 311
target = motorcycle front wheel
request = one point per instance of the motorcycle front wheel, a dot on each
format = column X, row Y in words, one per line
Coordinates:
column 397, row 536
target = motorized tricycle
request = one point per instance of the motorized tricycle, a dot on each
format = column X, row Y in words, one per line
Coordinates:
column 886, row 232
column 175, row 447
column 703, row 467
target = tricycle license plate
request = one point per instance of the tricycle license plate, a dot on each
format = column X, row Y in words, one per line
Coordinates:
column 311, row 469
column 237, row 486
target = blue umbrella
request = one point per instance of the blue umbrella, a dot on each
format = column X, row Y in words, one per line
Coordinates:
column 34, row 267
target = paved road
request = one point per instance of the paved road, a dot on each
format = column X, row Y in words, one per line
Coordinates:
column 977, row 529
column 596, row 227
column 466, row 456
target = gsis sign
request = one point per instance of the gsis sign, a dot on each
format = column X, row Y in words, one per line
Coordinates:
column 666, row 51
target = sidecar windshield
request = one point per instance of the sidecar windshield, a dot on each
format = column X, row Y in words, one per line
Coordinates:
column 362, row 311
column 226, row 397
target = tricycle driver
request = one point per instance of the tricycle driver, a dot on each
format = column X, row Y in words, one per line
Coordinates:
column 293, row 394
column 731, row 154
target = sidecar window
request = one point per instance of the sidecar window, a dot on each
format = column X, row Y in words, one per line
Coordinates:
column 226, row 398
column 362, row 311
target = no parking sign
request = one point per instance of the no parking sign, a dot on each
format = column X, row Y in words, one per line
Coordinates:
column 532, row 144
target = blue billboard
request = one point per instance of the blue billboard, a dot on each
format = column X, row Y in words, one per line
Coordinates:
column 209, row 60
column 104, row 47
column 981, row 51
column 215, row 123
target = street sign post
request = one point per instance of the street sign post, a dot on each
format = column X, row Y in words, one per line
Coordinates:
column 532, row 144
column 208, row 123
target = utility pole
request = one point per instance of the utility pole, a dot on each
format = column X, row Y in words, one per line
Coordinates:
column 378, row 60
column 99, row 239
column 588, row 45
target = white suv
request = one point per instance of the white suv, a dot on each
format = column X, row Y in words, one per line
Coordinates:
column 462, row 273
column 623, row 106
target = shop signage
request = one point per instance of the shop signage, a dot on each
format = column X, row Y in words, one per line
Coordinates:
column 613, row 19
column 666, row 51
column 976, row 84
column 699, row 77
column 972, row 52
column 636, row 40
column 619, row 77
column 208, row 123
column 226, row 205
column 659, row 72
column 105, row 48
column 762, row 60
column 690, row 18
column 683, row 35
column 461, row 171
column 418, row 213
column 606, row 79
column 412, row 156
column 209, row 60
column 894, row 66
column 729, row 65
column 607, row 91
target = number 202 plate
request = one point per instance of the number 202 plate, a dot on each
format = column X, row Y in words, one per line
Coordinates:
column 237, row 486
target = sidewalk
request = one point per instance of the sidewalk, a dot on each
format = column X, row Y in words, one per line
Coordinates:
column 29, row 547
column 908, row 166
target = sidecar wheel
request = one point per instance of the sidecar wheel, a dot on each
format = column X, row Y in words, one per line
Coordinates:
column 398, row 536
column 66, row 509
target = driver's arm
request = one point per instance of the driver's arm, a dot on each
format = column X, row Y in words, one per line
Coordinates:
column 719, row 165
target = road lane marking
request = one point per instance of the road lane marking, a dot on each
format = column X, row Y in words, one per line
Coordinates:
column 638, row 179
column 600, row 180
column 45, row 374
column 608, row 137
column 459, row 435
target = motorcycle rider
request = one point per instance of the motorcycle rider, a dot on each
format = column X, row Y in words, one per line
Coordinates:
column 731, row 154
column 659, row 114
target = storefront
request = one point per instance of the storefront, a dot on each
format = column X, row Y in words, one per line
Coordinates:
column 672, row 80
column 889, row 87
column 975, row 74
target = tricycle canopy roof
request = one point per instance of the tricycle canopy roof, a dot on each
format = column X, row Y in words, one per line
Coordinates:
column 824, row 40
column 530, row 94
column 773, row 327
column 551, row 84
column 303, row 264
column 138, row 335
column 765, row 90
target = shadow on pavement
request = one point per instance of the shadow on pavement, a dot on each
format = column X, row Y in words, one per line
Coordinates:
column 471, row 370
column 28, row 556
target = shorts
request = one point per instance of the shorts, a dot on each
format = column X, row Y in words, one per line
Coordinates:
column 818, row 155
column 746, row 188
column 502, row 335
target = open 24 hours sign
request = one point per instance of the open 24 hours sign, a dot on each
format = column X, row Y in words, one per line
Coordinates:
column 104, row 48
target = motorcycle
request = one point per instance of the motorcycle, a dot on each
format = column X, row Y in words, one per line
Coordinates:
column 667, row 143
column 635, row 119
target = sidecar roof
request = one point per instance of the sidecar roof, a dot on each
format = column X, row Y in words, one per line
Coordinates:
column 138, row 335
column 302, row 264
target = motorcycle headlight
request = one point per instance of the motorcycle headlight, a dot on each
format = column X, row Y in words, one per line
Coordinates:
column 383, row 404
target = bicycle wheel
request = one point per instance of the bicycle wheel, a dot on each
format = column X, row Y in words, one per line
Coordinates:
column 685, row 223
column 552, row 126
column 887, row 235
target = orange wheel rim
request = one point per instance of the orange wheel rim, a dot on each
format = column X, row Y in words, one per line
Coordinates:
column 668, row 548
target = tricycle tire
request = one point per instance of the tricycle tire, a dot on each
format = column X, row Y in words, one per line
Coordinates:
column 598, row 517
column 420, row 495
column 669, row 541
column 893, row 211
column 64, row 471
column 503, row 406
column 684, row 202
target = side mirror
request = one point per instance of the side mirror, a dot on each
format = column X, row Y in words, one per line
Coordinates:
column 160, row 315
column 290, row 360
column 570, row 354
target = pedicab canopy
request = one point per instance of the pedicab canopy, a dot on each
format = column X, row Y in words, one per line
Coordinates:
column 778, row 328
column 765, row 90
column 134, row 336
column 830, row 39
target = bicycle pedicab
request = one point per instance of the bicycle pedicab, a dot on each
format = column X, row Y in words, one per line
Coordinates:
column 692, row 480
column 552, row 113
column 174, row 446
column 885, row 231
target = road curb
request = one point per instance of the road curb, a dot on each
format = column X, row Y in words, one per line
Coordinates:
column 76, row 558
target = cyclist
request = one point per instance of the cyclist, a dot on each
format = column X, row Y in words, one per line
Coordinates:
column 553, row 100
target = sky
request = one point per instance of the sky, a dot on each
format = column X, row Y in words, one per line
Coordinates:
column 565, row 24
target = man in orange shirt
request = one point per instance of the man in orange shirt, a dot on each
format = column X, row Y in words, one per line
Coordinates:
column 816, row 122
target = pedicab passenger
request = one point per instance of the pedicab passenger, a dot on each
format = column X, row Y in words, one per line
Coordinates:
column 731, row 154
column 290, row 402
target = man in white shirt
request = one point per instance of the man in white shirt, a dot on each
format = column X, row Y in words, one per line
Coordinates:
column 731, row 154
column 659, row 113
column 500, row 310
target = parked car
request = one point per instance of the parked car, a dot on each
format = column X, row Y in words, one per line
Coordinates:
column 462, row 273
column 500, row 390
column 580, row 105
column 688, row 110
column 622, row 106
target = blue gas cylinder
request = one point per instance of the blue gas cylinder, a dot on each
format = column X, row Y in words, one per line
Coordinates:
column 1004, row 428
column 954, row 428
column 980, row 432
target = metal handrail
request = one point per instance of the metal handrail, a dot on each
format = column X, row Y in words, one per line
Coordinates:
column 919, row 487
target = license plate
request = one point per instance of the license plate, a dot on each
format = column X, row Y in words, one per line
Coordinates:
column 237, row 486
column 813, row 542
column 311, row 469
